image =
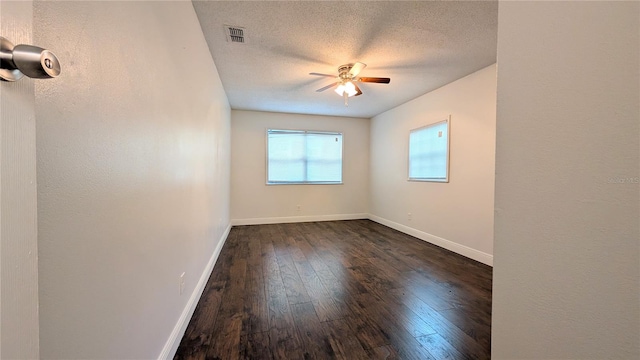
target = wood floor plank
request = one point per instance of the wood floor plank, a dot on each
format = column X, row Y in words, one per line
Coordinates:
column 390, row 314
column 294, row 287
column 256, row 316
column 385, row 352
column 344, row 342
column 284, row 342
column 227, row 328
column 449, row 331
column 428, row 291
column 197, row 337
column 310, row 280
column 468, row 322
column 226, row 339
column 255, row 346
column 370, row 334
column 339, row 289
column 322, row 301
column 440, row 348
column 315, row 342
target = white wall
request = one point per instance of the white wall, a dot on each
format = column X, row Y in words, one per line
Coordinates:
column 457, row 215
column 18, row 213
column 133, row 166
column 567, row 237
column 254, row 202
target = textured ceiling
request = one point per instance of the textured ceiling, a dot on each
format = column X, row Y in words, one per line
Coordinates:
column 420, row 45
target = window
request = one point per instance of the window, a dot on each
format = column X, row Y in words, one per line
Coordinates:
column 304, row 157
column 429, row 152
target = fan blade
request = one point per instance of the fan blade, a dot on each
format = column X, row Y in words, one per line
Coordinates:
column 357, row 89
column 375, row 80
column 356, row 68
column 327, row 87
column 318, row 74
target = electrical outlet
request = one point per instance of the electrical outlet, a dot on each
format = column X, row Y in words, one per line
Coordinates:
column 182, row 283
column 409, row 216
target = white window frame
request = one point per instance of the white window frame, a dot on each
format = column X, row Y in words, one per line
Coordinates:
column 448, row 155
column 333, row 133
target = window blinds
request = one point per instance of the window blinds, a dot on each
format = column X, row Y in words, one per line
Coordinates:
column 303, row 157
column 428, row 152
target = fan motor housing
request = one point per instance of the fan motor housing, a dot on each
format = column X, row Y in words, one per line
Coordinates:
column 343, row 71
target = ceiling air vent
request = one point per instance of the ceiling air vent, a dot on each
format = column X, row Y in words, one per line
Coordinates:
column 235, row 34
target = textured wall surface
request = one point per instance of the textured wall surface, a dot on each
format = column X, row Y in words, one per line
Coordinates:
column 133, row 174
column 251, row 198
column 18, row 214
column 566, row 270
column 459, row 213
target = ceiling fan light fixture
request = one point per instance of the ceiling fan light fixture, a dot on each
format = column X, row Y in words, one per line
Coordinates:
column 348, row 87
column 345, row 81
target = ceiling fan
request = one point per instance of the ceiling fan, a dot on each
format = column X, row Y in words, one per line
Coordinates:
column 346, row 79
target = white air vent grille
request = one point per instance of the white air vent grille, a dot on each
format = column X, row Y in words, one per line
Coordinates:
column 235, row 34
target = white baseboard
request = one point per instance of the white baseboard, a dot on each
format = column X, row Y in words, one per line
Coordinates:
column 295, row 219
column 436, row 240
column 171, row 346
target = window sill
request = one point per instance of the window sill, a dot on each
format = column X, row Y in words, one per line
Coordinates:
column 304, row 183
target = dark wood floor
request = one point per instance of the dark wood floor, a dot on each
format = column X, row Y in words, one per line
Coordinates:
column 339, row 289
